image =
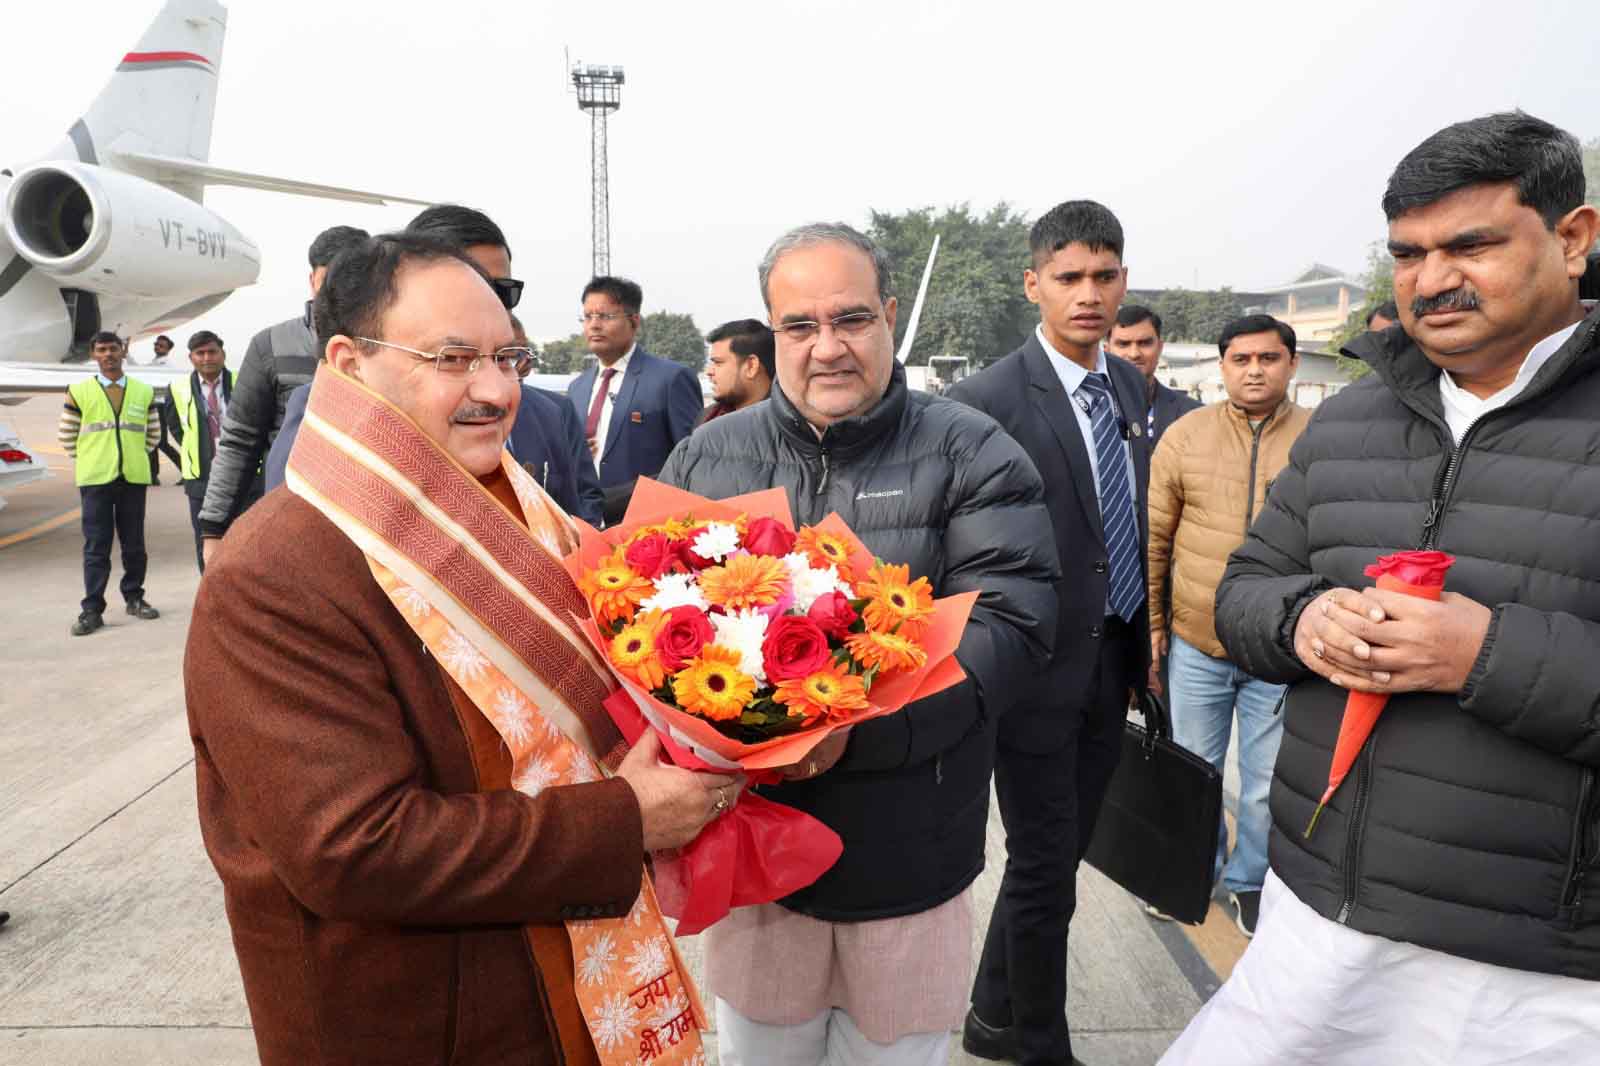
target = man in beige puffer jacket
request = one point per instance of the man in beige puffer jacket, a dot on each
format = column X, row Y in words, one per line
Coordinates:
column 1208, row 480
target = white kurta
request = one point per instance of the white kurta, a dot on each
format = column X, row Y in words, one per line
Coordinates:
column 1311, row 991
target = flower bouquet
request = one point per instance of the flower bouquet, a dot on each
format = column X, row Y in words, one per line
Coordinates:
column 744, row 643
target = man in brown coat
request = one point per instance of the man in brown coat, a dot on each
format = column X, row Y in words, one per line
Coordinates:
column 398, row 855
column 1208, row 480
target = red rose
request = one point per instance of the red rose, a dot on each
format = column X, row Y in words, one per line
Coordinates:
column 653, row 556
column 692, row 560
column 1422, row 569
column 682, row 637
column 767, row 536
column 795, row 649
column 833, row 614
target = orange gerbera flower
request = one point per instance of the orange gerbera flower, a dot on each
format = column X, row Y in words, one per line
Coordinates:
column 713, row 686
column 898, row 604
column 633, row 651
column 673, row 528
column 824, row 549
column 614, row 590
column 889, row 652
column 744, row 581
column 831, row 691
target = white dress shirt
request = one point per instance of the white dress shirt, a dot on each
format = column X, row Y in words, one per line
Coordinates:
column 1461, row 408
column 603, row 430
column 1072, row 375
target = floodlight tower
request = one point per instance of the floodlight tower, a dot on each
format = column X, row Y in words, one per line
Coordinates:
column 599, row 90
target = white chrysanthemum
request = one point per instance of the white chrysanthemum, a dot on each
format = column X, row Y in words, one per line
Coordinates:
column 535, row 776
column 583, row 771
column 413, row 602
column 676, row 590
column 743, row 631
column 595, row 966
column 810, row 583
column 464, row 661
column 612, row 1023
column 648, row 960
column 720, row 540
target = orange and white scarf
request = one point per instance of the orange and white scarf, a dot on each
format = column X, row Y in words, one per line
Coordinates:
column 490, row 600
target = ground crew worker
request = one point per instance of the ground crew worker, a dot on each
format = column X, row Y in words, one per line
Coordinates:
column 194, row 420
column 108, row 426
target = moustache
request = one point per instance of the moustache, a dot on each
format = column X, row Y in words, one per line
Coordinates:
column 1454, row 300
column 479, row 412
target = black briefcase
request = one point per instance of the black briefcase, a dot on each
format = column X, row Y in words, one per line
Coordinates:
column 1157, row 833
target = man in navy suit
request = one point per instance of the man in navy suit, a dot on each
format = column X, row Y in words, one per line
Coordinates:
column 1082, row 419
column 1137, row 338
column 643, row 406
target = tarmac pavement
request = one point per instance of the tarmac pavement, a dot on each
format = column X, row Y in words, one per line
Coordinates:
column 118, row 949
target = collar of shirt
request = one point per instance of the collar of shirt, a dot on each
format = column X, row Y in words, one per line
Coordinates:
column 1462, row 408
column 1070, row 373
column 107, row 383
column 621, row 365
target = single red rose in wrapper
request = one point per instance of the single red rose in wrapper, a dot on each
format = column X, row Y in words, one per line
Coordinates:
column 833, row 614
column 1414, row 574
column 768, row 536
column 795, row 648
column 653, row 556
column 682, row 637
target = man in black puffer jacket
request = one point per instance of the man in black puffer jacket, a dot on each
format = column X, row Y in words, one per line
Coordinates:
column 881, row 945
column 280, row 359
column 1445, row 907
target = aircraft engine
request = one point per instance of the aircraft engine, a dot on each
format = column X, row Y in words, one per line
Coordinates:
column 106, row 231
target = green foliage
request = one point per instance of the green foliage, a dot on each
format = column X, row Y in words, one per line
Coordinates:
column 1379, row 281
column 1194, row 316
column 673, row 336
column 563, row 356
column 975, row 306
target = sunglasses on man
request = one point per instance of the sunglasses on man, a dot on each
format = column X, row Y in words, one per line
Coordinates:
column 508, row 289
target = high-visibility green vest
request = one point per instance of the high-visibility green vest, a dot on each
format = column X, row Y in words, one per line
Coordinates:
column 188, row 409
column 111, row 444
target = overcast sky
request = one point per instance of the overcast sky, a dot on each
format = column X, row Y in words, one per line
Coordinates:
column 1236, row 141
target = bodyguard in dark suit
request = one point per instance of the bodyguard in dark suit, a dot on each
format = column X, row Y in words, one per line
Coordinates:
column 1137, row 338
column 547, row 439
column 193, row 417
column 1081, row 417
column 643, row 406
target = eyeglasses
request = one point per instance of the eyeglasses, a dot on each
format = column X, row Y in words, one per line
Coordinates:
column 463, row 360
column 600, row 316
column 854, row 324
column 509, row 290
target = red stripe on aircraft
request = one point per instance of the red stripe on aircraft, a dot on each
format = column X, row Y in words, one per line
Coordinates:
column 164, row 57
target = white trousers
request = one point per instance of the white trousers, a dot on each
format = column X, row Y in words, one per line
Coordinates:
column 829, row 1039
column 1311, row 991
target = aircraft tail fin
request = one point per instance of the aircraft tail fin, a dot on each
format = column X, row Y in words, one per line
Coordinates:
column 163, row 94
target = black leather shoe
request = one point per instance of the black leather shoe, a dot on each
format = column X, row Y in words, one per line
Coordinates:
column 140, row 609
column 88, row 622
column 997, row 1043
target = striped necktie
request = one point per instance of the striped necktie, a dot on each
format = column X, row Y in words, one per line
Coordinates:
column 1126, row 589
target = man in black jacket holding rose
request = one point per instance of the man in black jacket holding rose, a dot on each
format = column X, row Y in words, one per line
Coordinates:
column 1445, row 908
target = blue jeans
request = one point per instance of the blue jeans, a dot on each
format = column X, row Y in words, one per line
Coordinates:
column 1205, row 693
